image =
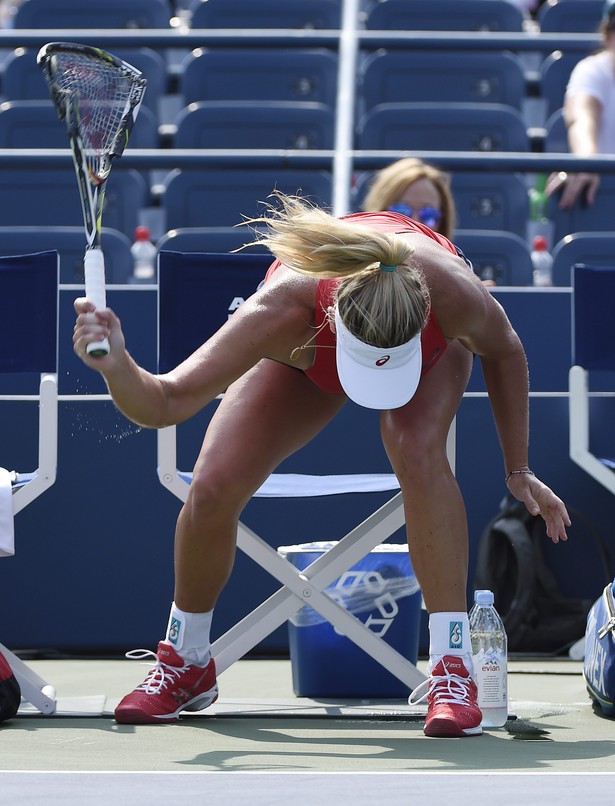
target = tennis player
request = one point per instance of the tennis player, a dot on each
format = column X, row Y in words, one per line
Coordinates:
column 374, row 307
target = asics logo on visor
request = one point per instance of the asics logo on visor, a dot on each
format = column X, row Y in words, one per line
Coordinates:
column 382, row 361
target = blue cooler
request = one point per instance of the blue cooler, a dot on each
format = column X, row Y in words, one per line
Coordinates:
column 382, row 591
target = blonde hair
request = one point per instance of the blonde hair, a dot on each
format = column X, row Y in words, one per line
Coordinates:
column 389, row 184
column 382, row 308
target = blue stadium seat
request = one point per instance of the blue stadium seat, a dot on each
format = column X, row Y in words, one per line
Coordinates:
column 266, row 14
column 438, row 15
column 497, row 255
column 51, row 198
column 572, row 16
column 249, row 124
column 221, row 198
column 491, row 201
column 593, row 248
column 22, row 78
column 207, row 239
column 70, row 244
column 35, row 124
column 556, row 134
column 422, row 75
column 442, row 127
column 554, row 74
column 596, row 217
column 79, row 14
column 251, row 74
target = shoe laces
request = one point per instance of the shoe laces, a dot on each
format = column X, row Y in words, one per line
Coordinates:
column 443, row 688
column 160, row 676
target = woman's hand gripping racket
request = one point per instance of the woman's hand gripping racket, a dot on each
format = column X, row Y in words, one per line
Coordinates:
column 98, row 96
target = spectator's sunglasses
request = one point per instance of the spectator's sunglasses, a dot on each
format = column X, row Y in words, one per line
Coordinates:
column 426, row 215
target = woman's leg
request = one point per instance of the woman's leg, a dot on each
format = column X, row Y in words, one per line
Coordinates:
column 415, row 440
column 436, row 524
column 264, row 417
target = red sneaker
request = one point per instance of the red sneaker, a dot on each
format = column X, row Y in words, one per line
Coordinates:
column 171, row 686
column 452, row 700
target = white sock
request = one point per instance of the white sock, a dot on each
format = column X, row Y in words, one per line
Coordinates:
column 188, row 634
column 449, row 634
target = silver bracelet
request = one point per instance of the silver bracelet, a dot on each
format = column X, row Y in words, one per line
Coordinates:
column 524, row 472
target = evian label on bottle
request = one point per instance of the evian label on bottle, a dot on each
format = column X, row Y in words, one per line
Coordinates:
column 490, row 676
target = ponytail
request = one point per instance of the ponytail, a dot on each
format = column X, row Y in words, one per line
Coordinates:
column 311, row 241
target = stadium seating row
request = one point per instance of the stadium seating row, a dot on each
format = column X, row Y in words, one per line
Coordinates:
column 484, row 102
column 498, row 255
column 216, row 94
column 471, row 15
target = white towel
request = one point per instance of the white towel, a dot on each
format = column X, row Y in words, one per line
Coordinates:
column 284, row 485
column 7, row 532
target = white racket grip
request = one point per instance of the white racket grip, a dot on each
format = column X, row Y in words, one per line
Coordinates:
column 94, row 271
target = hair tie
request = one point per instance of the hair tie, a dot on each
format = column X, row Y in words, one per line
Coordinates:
column 384, row 267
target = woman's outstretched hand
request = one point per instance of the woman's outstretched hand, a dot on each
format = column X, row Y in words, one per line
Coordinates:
column 541, row 500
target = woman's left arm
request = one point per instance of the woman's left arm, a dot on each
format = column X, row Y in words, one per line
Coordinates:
column 480, row 322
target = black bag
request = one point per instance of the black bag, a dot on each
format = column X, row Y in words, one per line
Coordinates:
column 536, row 614
column 10, row 693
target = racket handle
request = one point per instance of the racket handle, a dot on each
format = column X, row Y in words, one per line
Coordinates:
column 94, row 270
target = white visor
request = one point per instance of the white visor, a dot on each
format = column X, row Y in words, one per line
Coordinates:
column 377, row 377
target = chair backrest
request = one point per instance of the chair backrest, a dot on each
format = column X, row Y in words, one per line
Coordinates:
column 188, row 284
column 70, row 244
column 500, row 256
column 448, row 15
column 480, row 77
column 29, row 283
column 207, row 239
column 556, row 134
column 594, row 248
column 35, row 124
column 253, row 74
column 22, row 78
column 255, row 124
column 596, row 217
column 29, row 369
column 443, row 127
column 77, row 14
column 266, row 14
column 220, row 198
column 554, row 74
column 593, row 299
column 491, row 201
column 51, row 198
column 578, row 16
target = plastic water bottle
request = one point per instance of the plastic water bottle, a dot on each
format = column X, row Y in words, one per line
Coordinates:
column 542, row 261
column 539, row 223
column 490, row 658
column 143, row 257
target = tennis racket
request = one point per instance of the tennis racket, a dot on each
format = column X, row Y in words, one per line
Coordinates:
column 98, row 96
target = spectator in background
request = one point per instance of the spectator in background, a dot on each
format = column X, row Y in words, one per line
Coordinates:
column 589, row 114
column 416, row 189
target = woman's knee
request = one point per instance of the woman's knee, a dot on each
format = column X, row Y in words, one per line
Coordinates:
column 213, row 493
column 416, row 449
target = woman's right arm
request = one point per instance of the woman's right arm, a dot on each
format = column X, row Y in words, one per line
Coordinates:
column 137, row 393
column 269, row 324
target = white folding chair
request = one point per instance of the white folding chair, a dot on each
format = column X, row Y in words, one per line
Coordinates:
column 28, row 361
column 215, row 285
column 593, row 302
